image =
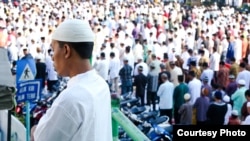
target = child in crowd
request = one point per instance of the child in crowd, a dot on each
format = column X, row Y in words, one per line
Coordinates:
column 234, row 118
column 186, row 110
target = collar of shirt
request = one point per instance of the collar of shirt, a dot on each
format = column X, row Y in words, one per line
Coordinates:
column 77, row 78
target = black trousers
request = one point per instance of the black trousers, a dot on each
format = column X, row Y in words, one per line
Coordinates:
column 167, row 112
column 151, row 98
column 141, row 96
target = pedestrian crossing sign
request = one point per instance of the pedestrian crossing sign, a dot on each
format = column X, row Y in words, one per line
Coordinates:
column 26, row 70
column 27, row 74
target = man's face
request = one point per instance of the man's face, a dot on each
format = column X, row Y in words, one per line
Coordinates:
column 58, row 58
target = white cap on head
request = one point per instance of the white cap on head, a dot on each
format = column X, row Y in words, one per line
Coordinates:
column 242, row 82
column 187, row 96
column 226, row 98
column 74, row 30
column 235, row 113
column 140, row 58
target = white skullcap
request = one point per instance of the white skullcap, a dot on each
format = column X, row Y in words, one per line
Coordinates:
column 226, row 98
column 187, row 96
column 74, row 30
column 235, row 113
column 242, row 82
column 139, row 57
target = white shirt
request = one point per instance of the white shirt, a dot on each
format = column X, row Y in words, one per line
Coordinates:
column 50, row 69
column 245, row 75
column 194, row 87
column 103, row 68
column 165, row 92
column 215, row 61
column 207, row 73
column 246, row 121
column 114, row 67
column 185, row 56
column 81, row 112
column 228, row 114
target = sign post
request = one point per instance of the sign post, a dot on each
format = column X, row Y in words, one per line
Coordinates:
column 27, row 120
column 26, row 92
column 28, row 89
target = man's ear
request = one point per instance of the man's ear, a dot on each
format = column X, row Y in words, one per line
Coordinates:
column 67, row 51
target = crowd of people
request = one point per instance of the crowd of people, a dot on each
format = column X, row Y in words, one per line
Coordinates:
column 192, row 62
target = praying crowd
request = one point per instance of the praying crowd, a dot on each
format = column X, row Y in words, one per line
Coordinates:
column 191, row 64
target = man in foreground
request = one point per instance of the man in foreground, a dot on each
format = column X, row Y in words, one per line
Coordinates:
column 82, row 112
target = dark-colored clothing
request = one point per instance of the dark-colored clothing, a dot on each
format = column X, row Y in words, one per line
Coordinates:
column 201, row 105
column 140, row 82
column 151, row 98
column 178, row 98
column 216, row 113
column 244, row 112
column 41, row 72
column 222, row 76
column 230, row 50
column 126, row 78
column 28, row 56
column 167, row 112
column 231, row 88
column 50, row 84
column 152, row 88
column 234, row 121
column 186, row 111
column 210, row 90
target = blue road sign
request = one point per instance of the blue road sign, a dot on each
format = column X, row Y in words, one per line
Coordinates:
column 26, row 70
column 28, row 91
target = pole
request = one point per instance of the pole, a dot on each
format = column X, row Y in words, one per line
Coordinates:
column 133, row 132
column 115, row 103
column 9, row 126
column 27, row 121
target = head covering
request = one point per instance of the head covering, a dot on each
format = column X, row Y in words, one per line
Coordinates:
column 218, row 95
column 140, row 68
column 187, row 96
column 242, row 82
column 74, row 30
column 139, row 58
column 152, row 65
column 231, row 76
column 226, row 98
column 162, row 66
column 125, row 59
column 235, row 113
column 205, row 79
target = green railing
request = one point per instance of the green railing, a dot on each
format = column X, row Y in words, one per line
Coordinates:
column 119, row 119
